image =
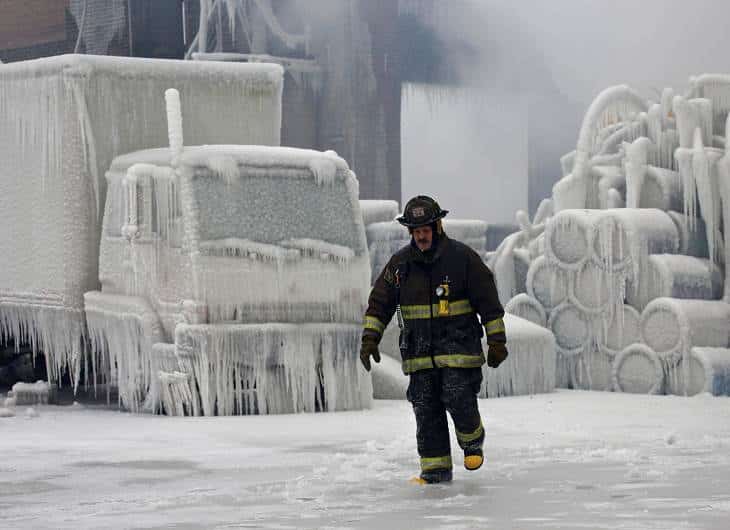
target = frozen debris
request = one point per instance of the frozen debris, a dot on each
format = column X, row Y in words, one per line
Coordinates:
column 7, row 412
column 176, row 395
column 530, row 367
column 378, row 211
column 38, row 393
column 31, row 413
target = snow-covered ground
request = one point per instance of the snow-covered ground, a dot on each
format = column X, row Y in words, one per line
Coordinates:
column 569, row 459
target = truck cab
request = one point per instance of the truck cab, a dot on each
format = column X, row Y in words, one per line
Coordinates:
column 233, row 281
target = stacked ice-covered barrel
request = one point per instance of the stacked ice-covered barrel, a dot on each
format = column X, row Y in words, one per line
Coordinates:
column 632, row 287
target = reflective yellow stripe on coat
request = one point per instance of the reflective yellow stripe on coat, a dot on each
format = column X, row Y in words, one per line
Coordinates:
column 373, row 324
column 494, row 326
column 416, row 312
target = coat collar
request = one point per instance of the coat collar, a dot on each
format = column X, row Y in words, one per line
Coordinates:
column 431, row 255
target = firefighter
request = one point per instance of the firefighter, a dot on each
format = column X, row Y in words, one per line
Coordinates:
column 437, row 286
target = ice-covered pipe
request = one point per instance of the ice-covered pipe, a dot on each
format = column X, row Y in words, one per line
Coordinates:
column 716, row 88
column 627, row 236
column 569, row 237
column 614, row 199
column 525, row 306
column 704, row 370
column 638, row 370
column 671, row 327
column 677, row 276
column 573, row 329
column 609, row 177
column 566, row 163
column 546, row 283
column 692, row 236
column 662, row 189
column 544, row 211
column 612, row 103
column 174, row 123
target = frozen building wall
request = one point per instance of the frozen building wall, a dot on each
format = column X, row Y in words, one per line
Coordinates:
column 348, row 100
column 62, row 120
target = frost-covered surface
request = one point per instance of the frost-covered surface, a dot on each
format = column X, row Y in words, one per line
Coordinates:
column 62, row 121
column 272, row 368
column 530, row 366
column 526, row 307
column 568, row 459
column 263, row 249
column 31, row 393
column 382, row 211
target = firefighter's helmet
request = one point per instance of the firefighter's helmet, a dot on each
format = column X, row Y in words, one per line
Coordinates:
column 421, row 211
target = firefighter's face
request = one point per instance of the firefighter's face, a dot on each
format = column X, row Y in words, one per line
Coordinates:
column 423, row 236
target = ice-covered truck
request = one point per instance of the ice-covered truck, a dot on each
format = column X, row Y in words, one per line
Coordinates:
column 225, row 278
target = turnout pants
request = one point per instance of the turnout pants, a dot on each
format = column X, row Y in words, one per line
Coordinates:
column 432, row 393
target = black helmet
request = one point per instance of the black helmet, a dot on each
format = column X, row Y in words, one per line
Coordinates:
column 421, row 211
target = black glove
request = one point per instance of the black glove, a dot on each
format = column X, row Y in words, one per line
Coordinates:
column 497, row 353
column 369, row 348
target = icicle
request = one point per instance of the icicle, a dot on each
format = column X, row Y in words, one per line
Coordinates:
column 174, row 124
column 703, row 114
column 274, row 368
column 705, row 172
column 636, row 167
column 724, row 187
column 224, row 167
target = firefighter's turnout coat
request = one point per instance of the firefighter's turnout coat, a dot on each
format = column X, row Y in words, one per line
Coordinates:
column 440, row 293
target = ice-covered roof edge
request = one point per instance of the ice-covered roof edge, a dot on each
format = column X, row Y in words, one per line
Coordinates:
column 79, row 64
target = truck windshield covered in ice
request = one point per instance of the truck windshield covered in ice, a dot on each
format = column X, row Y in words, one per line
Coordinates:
column 284, row 209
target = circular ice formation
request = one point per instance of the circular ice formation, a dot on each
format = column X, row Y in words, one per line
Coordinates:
column 525, row 306
column 547, row 284
column 638, row 370
column 569, row 237
column 571, row 329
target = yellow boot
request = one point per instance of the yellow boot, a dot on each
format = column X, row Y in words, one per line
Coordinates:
column 474, row 460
